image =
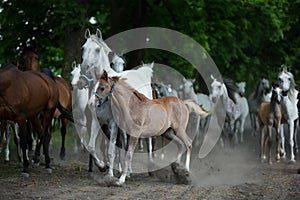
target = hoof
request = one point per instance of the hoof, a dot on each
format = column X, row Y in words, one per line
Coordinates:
column 36, row 164
column 111, row 181
column 91, row 174
column 118, row 184
column 298, row 171
column 49, row 170
column 62, row 156
column 25, row 174
column 291, row 162
column 270, row 163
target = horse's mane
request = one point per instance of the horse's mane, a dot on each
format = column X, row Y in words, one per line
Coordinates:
column 292, row 83
column 139, row 95
column 231, row 88
column 48, row 72
column 256, row 93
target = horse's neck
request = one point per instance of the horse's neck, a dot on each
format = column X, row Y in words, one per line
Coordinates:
column 122, row 96
column 274, row 105
column 191, row 95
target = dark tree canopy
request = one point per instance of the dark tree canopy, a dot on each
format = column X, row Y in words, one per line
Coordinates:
column 247, row 39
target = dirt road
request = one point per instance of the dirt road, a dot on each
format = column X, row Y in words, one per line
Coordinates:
column 224, row 174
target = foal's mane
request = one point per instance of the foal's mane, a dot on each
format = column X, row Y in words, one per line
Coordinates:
column 119, row 80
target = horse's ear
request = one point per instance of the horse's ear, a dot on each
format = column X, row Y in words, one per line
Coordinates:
column 193, row 80
column 152, row 65
column 184, row 80
column 116, row 78
column 87, row 33
column 104, row 75
column 98, row 33
column 212, row 77
column 142, row 62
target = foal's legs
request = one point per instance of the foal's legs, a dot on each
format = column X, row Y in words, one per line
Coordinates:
column 268, row 138
column 282, row 151
column 132, row 143
column 111, row 149
column 278, row 140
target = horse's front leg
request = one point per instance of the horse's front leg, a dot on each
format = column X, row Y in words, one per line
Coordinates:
column 132, row 143
column 23, row 144
column 112, row 146
column 291, row 131
column 6, row 159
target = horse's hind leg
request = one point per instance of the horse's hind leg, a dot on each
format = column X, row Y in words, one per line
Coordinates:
column 182, row 146
column 63, row 131
column 295, row 136
column 282, row 150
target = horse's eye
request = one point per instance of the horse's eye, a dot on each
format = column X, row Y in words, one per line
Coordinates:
column 219, row 87
column 279, row 79
column 97, row 50
column 102, row 89
column 289, row 79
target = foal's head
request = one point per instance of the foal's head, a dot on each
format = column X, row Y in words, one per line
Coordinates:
column 276, row 93
column 104, row 88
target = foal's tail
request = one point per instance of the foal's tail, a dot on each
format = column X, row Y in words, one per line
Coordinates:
column 196, row 108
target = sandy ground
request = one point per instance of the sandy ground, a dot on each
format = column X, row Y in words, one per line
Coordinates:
column 234, row 173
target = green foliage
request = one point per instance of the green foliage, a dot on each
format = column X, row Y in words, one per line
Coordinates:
column 247, row 39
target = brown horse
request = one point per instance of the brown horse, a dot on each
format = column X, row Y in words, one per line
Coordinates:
column 269, row 115
column 26, row 96
column 142, row 117
column 31, row 62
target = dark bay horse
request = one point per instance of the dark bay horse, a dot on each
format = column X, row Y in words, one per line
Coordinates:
column 25, row 96
column 31, row 59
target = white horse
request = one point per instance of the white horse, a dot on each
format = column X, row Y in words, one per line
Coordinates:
column 188, row 92
column 94, row 61
column 224, row 90
column 80, row 97
column 289, row 111
column 166, row 90
column 241, row 87
column 105, row 116
column 255, row 99
column 5, row 135
column 205, row 102
column 118, row 63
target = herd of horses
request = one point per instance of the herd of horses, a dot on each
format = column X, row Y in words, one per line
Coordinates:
column 103, row 99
